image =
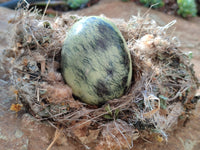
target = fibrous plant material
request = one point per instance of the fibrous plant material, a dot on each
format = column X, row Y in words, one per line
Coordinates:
column 117, row 134
column 164, row 81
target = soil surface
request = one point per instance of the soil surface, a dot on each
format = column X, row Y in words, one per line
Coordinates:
column 22, row 132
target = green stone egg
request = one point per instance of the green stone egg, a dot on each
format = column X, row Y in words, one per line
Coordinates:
column 96, row 63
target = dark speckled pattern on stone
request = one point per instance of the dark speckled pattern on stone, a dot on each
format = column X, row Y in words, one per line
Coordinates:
column 96, row 63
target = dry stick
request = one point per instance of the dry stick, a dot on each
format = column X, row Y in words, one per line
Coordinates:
column 169, row 25
column 178, row 93
column 57, row 134
column 71, row 115
column 146, row 140
column 123, row 135
column 52, row 124
column 99, row 115
column 45, row 9
column 173, row 37
column 26, row 4
column 34, row 38
column 38, row 94
column 149, row 10
column 114, row 137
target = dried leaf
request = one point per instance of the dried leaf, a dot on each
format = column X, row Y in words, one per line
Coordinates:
column 150, row 113
column 16, row 107
column 159, row 138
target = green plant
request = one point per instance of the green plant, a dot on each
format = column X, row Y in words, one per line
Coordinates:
column 187, row 8
column 112, row 115
column 74, row 4
column 155, row 3
column 189, row 55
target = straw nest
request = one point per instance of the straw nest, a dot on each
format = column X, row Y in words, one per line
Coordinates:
column 162, row 90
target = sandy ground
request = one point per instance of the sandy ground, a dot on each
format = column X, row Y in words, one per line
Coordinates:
column 24, row 133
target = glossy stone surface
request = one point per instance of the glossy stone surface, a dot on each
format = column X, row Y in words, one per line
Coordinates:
column 96, row 63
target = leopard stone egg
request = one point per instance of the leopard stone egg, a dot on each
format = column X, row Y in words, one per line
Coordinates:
column 96, row 63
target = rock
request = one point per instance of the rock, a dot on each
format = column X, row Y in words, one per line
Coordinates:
column 96, row 63
column 2, row 137
column 11, row 136
column 6, row 15
column 18, row 133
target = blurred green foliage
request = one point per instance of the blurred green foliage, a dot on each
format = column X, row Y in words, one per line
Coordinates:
column 75, row 4
column 112, row 115
column 148, row 3
column 187, row 8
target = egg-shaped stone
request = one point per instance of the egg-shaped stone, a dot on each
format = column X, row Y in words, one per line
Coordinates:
column 96, row 62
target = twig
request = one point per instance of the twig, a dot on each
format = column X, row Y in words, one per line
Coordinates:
column 149, row 10
column 113, row 136
column 45, row 9
column 100, row 115
column 57, row 134
column 38, row 94
column 178, row 93
column 123, row 135
column 146, row 140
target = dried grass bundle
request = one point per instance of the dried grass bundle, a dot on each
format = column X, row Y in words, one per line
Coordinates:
column 164, row 81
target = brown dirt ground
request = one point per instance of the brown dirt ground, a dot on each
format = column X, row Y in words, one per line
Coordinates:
column 184, row 137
